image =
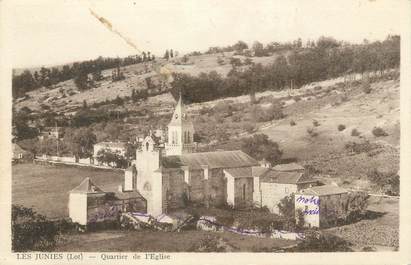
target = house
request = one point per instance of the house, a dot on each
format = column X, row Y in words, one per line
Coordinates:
column 51, row 132
column 321, row 206
column 19, row 154
column 271, row 186
column 89, row 204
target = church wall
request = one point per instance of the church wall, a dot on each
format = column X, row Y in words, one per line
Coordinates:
column 217, row 187
column 197, row 186
column 243, row 192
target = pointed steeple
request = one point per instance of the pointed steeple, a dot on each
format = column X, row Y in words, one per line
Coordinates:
column 179, row 116
column 180, row 131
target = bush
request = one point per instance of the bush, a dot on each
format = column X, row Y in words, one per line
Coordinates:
column 389, row 183
column 316, row 123
column 341, row 127
column 311, row 132
column 319, row 242
column 366, row 87
column 292, row 123
column 31, row 231
column 355, row 132
column 274, row 112
column 379, row 132
column 358, row 148
column 249, row 127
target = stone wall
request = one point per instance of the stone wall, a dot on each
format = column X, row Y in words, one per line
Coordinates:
column 272, row 193
column 243, row 192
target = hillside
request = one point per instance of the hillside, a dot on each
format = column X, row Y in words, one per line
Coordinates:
column 65, row 97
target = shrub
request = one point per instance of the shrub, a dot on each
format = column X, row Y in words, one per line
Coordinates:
column 358, row 148
column 341, row 127
column 379, row 132
column 31, row 231
column 249, row 127
column 297, row 98
column 311, row 132
column 274, row 112
column 355, row 132
column 316, row 123
column 389, row 182
column 366, row 87
column 319, row 242
column 292, row 123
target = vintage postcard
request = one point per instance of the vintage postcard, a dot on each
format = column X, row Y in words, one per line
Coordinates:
column 190, row 132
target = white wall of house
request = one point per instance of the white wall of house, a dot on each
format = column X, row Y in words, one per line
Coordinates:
column 230, row 189
column 272, row 193
column 78, row 207
column 309, row 205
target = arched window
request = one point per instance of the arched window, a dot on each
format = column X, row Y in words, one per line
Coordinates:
column 147, row 145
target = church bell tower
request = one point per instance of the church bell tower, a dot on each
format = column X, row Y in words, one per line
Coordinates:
column 180, row 132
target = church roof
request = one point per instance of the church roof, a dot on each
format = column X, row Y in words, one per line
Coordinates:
column 180, row 116
column 280, row 177
column 218, row 159
column 87, row 186
column 246, row 172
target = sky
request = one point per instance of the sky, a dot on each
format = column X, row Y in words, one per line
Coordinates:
column 60, row 31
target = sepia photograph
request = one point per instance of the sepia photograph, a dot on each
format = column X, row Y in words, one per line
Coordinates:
column 204, row 126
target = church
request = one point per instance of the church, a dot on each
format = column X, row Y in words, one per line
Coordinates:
column 170, row 175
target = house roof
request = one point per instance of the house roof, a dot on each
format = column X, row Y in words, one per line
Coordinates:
column 218, row 159
column 87, row 186
column 288, row 167
column 259, row 171
column 112, row 144
column 242, row 172
column 323, row 190
column 280, row 177
column 128, row 195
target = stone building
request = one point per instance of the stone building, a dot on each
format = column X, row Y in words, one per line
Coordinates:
column 89, row 204
column 271, row 186
column 322, row 206
column 170, row 176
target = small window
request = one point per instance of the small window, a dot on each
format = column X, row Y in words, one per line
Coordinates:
column 286, row 190
column 147, row 145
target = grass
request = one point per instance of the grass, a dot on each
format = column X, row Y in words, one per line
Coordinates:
column 147, row 241
column 46, row 188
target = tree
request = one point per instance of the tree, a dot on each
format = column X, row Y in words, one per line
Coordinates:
column 31, row 231
column 167, row 55
column 258, row 49
column 171, row 53
column 109, row 157
column 81, row 80
column 80, row 141
column 240, row 46
column 261, row 147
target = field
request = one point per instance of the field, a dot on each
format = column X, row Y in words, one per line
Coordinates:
column 144, row 241
column 46, row 188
